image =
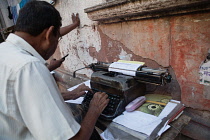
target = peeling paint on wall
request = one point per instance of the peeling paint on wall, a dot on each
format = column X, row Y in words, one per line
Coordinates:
column 178, row 43
column 145, row 38
column 79, row 42
column 124, row 56
column 78, row 47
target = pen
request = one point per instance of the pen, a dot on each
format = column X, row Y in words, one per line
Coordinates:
column 65, row 57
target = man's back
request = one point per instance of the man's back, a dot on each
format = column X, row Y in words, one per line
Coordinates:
column 29, row 96
column 12, row 60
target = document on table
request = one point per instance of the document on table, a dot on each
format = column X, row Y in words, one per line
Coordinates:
column 143, row 122
column 80, row 99
column 140, row 121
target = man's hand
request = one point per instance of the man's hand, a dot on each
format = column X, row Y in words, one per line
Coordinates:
column 98, row 103
column 82, row 87
column 75, row 19
column 76, row 93
column 54, row 64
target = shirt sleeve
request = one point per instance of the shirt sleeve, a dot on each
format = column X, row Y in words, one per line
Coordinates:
column 41, row 105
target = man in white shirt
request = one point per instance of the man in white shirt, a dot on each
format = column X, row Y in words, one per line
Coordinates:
column 31, row 106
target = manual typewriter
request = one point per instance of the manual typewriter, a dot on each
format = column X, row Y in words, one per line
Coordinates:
column 121, row 88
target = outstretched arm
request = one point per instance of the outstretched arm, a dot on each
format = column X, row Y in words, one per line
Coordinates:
column 69, row 28
column 63, row 31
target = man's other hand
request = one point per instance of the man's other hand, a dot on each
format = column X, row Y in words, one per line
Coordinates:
column 76, row 93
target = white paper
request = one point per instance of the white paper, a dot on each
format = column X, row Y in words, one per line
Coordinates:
column 87, row 83
column 205, row 73
column 80, row 99
column 52, row 72
column 139, row 121
column 143, row 122
column 163, row 129
column 167, row 109
column 124, row 68
column 108, row 136
column 76, row 101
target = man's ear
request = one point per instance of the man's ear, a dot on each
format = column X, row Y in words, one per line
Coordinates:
column 46, row 40
column 49, row 32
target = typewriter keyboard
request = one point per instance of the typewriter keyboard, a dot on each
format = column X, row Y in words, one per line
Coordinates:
column 111, row 108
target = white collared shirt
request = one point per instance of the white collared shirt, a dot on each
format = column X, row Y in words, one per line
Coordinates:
column 31, row 106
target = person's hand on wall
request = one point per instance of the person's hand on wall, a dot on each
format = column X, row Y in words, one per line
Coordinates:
column 76, row 93
column 54, row 64
column 75, row 19
column 70, row 27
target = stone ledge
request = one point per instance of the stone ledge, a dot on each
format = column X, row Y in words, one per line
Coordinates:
column 125, row 10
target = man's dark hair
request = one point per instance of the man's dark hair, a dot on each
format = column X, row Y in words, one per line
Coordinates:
column 36, row 16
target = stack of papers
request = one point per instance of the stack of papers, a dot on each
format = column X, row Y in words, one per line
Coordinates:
column 146, row 123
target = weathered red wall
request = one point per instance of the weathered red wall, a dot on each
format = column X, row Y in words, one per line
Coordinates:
column 177, row 42
column 190, row 39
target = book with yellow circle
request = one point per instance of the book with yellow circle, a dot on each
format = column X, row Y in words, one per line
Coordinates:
column 154, row 104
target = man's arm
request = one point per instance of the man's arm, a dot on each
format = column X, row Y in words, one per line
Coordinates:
column 69, row 28
column 54, row 64
column 97, row 105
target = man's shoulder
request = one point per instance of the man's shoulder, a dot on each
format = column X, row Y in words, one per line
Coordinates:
column 15, row 58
